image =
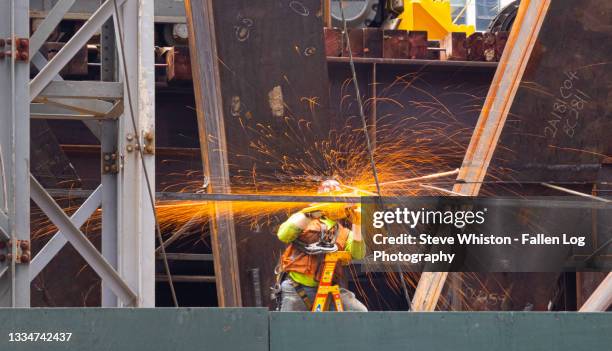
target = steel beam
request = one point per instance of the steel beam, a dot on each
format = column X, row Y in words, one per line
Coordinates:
column 490, row 124
column 94, row 107
column 80, row 242
column 57, row 242
column 601, row 299
column 207, row 85
column 53, row 18
column 15, row 150
column 166, row 11
column 136, row 220
column 416, row 62
column 66, row 117
column 108, row 146
column 41, row 111
column 110, row 229
column 257, row 198
column 82, row 90
column 80, row 38
column 167, row 196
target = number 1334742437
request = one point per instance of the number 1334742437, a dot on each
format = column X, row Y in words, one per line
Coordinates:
column 39, row 336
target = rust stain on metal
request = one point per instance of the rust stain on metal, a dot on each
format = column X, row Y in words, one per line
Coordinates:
column 275, row 99
column 236, row 108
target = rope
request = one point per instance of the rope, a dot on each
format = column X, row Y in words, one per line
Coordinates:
column 141, row 152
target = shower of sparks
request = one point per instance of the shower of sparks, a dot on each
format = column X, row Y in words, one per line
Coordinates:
column 408, row 147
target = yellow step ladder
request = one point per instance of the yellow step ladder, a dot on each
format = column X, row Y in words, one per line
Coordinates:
column 326, row 286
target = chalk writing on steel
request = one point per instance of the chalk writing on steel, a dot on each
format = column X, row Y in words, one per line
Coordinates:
column 236, row 106
column 243, row 28
column 567, row 107
column 299, row 8
column 309, row 51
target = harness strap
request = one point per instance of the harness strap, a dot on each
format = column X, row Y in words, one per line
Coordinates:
column 299, row 289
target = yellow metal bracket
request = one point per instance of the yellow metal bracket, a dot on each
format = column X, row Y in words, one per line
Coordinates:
column 433, row 16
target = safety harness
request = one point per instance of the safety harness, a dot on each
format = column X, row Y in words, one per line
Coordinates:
column 326, row 244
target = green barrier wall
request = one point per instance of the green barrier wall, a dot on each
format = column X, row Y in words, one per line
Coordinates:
column 438, row 331
column 256, row 329
column 140, row 329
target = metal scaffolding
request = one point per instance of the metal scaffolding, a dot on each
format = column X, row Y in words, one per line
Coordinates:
column 126, row 264
column 14, row 156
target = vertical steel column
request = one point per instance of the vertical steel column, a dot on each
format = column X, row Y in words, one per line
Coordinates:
column 209, row 103
column 136, row 226
column 488, row 129
column 108, row 146
column 14, row 151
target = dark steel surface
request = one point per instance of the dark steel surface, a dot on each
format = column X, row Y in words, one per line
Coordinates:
column 455, row 45
column 488, row 46
column 356, row 39
column 418, row 44
column 272, row 76
column 77, row 67
column 372, row 42
column 179, row 64
column 475, row 48
column 561, row 114
column 500, row 43
column 49, row 164
column 396, row 44
column 333, row 42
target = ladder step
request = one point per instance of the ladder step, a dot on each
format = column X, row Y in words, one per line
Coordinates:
column 186, row 278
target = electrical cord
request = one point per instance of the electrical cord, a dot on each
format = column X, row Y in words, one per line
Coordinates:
column 141, row 153
column 365, row 130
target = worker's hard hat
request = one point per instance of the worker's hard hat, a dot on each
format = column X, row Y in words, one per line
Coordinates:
column 329, row 186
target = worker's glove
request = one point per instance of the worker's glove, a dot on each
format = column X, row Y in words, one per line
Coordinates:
column 354, row 214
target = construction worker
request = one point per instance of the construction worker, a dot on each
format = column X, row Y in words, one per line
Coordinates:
column 302, row 260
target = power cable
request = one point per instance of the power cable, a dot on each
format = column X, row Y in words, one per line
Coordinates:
column 365, row 130
column 141, row 153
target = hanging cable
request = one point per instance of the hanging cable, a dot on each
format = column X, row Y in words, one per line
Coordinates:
column 365, row 131
column 141, row 154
